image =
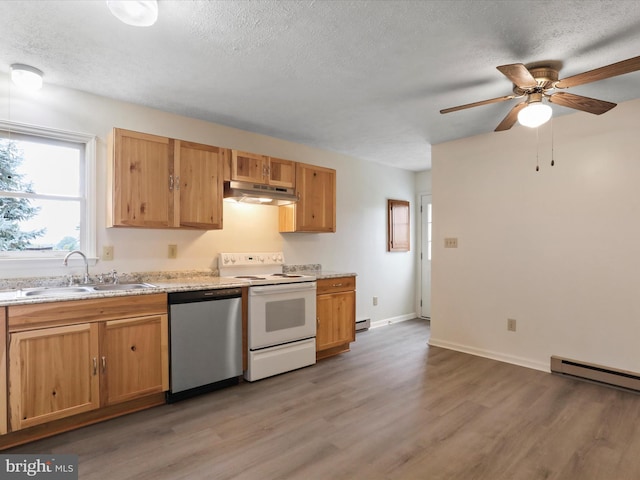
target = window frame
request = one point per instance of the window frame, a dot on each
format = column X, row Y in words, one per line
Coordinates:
column 44, row 259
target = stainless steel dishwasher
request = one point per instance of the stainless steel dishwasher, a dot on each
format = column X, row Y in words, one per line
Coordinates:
column 205, row 330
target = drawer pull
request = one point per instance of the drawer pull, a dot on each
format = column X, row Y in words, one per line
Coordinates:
column 337, row 285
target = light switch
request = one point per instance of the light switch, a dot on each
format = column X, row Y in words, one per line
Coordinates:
column 451, row 242
column 173, row 251
column 107, row 253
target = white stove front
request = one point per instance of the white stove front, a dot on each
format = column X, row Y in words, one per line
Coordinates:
column 281, row 313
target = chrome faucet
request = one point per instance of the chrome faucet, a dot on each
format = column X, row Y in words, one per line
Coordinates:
column 86, row 264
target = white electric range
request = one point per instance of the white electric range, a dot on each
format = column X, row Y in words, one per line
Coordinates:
column 281, row 313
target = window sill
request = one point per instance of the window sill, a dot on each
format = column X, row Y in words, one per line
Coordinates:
column 39, row 267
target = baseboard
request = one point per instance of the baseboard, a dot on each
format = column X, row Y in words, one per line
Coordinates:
column 501, row 357
column 389, row 321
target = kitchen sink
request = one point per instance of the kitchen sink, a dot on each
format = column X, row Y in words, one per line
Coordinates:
column 122, row 286
column 81, row 289
column 56, row 291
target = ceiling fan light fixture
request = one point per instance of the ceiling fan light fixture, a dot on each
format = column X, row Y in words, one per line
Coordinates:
column 534, row 114
column 138, row 13
column 26, row 77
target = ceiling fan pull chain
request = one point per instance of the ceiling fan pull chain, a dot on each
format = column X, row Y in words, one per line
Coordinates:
column 553, row 162
column 537, row 149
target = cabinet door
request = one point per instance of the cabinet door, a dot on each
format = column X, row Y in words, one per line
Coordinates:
column 53, row 373
column 248, row 167
column 143, row 178
column 200, row 185
column 134, row 358
column 282, row 173
column 336, row 320
column 315, row 210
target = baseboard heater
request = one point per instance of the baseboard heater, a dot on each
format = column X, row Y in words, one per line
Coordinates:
column 596, row 373
column 363, row 324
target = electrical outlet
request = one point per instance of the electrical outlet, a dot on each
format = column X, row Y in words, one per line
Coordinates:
column 375, row 301
column 173, row 251
column 451, row 242
column 107, row 253
column 511, row 324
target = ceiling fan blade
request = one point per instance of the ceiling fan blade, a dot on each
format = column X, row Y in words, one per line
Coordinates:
column 477, row 104
column 519, row 75
column 511, row 118
column 586, row 104
column 613, row 70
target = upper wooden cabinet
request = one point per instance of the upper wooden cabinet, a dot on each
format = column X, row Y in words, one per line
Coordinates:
column 159, row 182
column 315, row 210
column 254, row 168
column 200, row 181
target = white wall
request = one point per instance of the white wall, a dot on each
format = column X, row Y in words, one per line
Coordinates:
column 359, row 245
column 557, row 250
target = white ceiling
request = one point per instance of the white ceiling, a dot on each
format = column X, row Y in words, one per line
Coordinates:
column 366, row 78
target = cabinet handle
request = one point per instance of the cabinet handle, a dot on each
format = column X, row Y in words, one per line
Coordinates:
column 104, row 364
column 95, row 366
column 170, row 182
column 336, row 285
column 317, row 321
column 178, row 182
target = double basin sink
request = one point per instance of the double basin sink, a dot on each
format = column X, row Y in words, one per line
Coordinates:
column 81, row 289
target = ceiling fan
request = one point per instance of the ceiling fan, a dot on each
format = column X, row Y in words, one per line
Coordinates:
column 537, row 83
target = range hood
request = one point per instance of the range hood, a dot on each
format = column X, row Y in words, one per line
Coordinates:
column 246, row 192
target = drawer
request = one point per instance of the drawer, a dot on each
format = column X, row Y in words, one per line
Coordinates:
column 40, row 315
column 338, row 284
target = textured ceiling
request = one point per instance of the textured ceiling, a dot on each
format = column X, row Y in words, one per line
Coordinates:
column 364, row 78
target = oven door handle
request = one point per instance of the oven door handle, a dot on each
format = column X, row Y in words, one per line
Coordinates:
column 287, row 287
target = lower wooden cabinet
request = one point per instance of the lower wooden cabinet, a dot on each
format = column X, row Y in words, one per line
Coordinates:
column 61, row 366
column 134, row 359
column 53, row 373
column 336, row 315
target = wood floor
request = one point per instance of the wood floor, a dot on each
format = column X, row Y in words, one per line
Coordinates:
column 392, row 408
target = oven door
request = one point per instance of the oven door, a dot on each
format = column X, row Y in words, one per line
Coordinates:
column 282, row 313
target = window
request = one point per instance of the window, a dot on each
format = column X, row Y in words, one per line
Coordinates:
column 398, row 226
column 47, row 195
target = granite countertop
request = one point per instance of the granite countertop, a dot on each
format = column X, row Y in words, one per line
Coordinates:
column 162, row 283
column 16, row 297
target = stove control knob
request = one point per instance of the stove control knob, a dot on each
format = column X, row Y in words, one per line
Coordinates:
column 261, row 258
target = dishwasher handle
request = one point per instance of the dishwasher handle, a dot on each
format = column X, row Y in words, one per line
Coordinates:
column 204, row 295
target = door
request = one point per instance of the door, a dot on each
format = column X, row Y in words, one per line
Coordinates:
column 282, row 173
column 143, row 179
column 336, row 319
column 53, row 373
column 281, row 313
column 316, row 210
column 134, row 359
column 426, row 220
column 200, row 183
column 248, row 167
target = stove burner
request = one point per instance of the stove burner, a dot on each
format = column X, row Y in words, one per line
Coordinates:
column 250, row 277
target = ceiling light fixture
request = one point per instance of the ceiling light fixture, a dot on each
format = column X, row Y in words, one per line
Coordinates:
column 26, row 77
column 535, row 113
column 139, row 13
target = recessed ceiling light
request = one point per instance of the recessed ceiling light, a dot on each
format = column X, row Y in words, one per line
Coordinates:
column 26, row 77
column 139, row 13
